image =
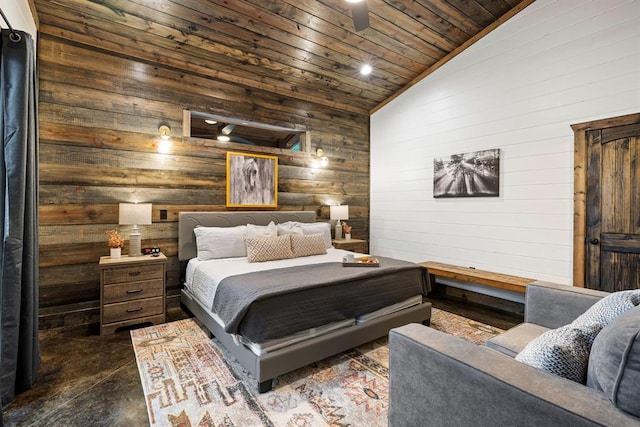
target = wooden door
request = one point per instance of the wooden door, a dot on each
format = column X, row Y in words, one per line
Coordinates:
column 612, row 240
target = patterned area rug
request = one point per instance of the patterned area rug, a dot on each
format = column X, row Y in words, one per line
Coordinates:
column 189, row 381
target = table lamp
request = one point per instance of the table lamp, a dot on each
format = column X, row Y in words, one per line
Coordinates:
column 339, row 213
column 135, row 214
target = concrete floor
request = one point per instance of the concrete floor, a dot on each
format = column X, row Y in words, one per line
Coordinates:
column 84, row 380
column 88, row 380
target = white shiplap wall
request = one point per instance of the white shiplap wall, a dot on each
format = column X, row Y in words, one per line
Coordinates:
column 518, row 89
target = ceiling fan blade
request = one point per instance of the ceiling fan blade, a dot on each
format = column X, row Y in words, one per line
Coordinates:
column 360, row 14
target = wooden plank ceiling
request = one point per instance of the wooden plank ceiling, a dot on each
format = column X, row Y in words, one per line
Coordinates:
column 304, row 49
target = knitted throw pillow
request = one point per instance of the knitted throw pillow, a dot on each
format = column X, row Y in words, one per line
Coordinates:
column 563, row 351
column 608, row 308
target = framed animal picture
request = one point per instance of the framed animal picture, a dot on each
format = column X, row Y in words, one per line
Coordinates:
column 252, row 180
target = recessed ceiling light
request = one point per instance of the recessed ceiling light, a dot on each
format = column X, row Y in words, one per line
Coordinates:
column 210, row 121
column 224, row 138
column 366, row 69
column 354, row 1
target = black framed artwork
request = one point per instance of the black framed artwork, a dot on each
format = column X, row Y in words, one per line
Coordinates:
column 473, row 174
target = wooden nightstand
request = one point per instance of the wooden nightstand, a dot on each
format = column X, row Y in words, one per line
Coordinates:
column 132, row 291
column 355, row 245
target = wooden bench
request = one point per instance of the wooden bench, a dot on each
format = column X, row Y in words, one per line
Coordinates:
column 481, row 277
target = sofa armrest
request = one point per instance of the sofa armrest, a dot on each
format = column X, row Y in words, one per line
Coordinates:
column 553, row 305
column 437, row 379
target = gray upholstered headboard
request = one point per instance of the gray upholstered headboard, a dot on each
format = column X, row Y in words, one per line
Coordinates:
column 187, row 221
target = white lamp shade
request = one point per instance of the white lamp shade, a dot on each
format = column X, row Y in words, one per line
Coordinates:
column 135, row 213
column 339, row 212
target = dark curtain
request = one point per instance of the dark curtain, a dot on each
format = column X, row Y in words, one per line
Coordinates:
column 20, row 350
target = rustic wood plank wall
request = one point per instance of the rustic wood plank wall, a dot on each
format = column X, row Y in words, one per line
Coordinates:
column 101, row 102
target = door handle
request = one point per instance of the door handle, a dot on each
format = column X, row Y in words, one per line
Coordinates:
column 594, row 241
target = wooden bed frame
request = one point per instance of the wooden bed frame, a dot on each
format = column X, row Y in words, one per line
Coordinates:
column 272, row 364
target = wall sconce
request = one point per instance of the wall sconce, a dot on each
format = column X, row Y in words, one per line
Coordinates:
column 164, row 147
column 165, row 132
column 322, row 160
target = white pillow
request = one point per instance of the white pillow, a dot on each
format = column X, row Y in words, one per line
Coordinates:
column 262, row 230
column 317, row 228
column 260, row 249
column 289, row 227
column 220, row 242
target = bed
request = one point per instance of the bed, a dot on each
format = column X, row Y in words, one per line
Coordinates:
column 249, row 306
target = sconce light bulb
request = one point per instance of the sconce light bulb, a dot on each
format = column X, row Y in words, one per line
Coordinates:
column 324, row 161
column 165, row 132
column 164, row 147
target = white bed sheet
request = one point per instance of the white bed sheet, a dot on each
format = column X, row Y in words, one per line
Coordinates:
column 203, row 277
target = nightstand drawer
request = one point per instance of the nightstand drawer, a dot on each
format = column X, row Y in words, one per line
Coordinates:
column 135, row 272
column 354, row 245
column 132, row 309
column 133, row 290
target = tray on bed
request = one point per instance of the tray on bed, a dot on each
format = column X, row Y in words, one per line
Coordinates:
column 365, row 261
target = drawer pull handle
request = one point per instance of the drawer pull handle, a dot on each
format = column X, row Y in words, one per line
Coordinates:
column 134, row 291
column 133, row 310
column 134, row 273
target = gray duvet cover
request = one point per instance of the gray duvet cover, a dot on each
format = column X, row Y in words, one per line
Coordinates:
column 276, row 303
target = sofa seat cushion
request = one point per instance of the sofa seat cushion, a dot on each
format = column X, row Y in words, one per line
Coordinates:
column 614, row 363
column 516, row 339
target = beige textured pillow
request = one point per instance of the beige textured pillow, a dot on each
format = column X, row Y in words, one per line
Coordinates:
column 322, row 228
column 307, row 245
column 260, row 249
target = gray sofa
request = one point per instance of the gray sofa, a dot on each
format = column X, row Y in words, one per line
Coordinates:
column 436, row 379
